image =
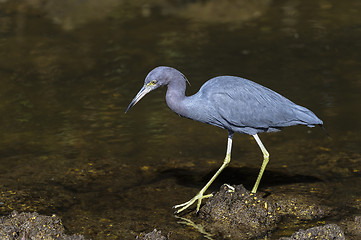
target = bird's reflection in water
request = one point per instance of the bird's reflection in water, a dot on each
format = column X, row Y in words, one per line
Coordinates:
column 198, row 227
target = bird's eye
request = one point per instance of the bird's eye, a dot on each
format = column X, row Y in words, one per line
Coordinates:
column 151, row 83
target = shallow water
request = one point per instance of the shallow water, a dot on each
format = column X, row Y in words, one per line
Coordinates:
column 69, row 69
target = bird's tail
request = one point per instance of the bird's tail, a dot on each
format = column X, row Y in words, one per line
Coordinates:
column 310, row 119
column 307, row 117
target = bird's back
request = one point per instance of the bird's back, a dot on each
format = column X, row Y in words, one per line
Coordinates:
column 240, row 105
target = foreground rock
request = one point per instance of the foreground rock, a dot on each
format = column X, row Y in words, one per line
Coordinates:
column 235, row 213
column 33, row 226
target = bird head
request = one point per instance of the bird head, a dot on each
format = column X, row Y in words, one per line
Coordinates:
column 156, row 78
column 159, row 76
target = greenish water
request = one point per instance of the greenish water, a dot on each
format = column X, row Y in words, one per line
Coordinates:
column 69, row 69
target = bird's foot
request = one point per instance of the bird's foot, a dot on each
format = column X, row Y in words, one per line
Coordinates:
column 185, row 205
column 230, row 188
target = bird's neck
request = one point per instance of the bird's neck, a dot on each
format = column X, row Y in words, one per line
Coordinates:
column 175, row 95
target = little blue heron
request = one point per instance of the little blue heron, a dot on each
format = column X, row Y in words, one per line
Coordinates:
column 232, row 103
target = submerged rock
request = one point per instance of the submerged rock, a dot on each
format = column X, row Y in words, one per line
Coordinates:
column 325, row 232
column 154, row 235
column 236, row 213
column 33, row 226
column 352, row 227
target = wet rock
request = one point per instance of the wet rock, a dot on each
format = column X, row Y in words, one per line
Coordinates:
column 155, row 235
column 33, row 226
column 352, row 227
column 301, row 207
column 239, row 214
column 299, row 202
column 325, row 232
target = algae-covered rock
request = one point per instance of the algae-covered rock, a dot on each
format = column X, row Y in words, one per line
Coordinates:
column 33, row 226
column 236, row 213
column 325, row 232
column 297, row 201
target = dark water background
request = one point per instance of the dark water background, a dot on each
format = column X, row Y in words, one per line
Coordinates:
column 68, row 70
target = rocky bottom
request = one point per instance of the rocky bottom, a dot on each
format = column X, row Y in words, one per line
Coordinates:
column 236, row 213
column 25, row 226
column 231, row 213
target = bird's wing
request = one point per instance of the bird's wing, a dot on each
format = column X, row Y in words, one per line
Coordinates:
column 248, row 104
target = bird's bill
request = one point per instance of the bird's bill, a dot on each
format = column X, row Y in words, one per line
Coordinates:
column 145, row 89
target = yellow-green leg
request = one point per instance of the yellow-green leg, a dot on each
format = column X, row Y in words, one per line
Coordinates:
column 200, row 195
column 264, row 164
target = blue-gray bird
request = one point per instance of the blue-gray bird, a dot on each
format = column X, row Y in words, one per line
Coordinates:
column 232, row 103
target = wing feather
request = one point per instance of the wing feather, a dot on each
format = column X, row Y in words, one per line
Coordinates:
column 243, row 103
